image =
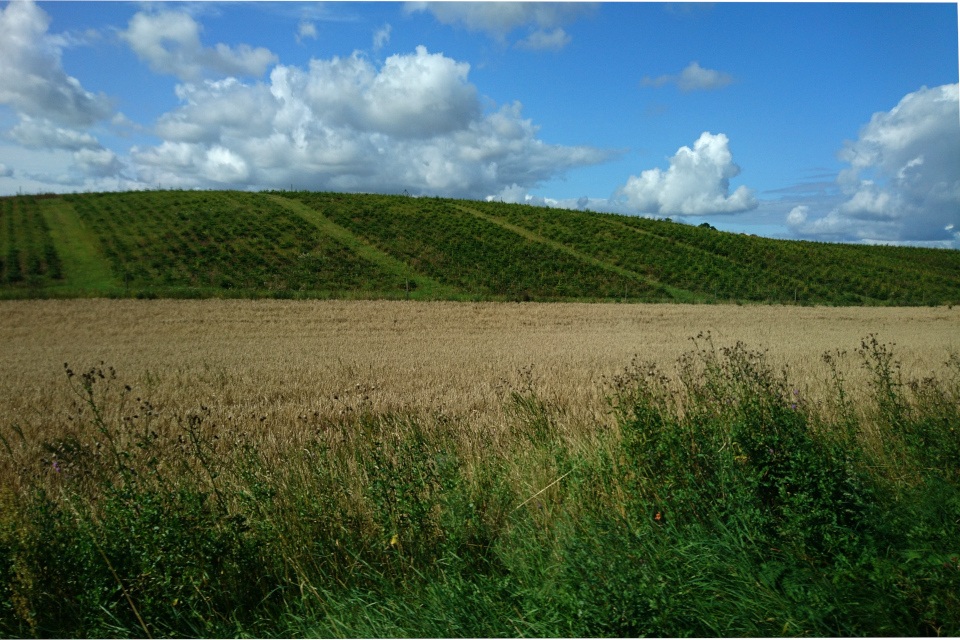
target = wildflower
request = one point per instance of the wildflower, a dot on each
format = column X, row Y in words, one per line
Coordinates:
column 657, row 517
column 794, row 407
column 395, row 540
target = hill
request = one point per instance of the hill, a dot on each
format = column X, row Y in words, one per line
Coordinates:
column 308, row 244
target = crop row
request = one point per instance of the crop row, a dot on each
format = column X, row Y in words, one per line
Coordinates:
column 669, row 262
column 728, row 265
column 830, row 272
column 462, row 250
column 28, row 254
column 220, row 239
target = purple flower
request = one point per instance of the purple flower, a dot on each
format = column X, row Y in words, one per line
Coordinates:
column 794, row 407
column 56, row 467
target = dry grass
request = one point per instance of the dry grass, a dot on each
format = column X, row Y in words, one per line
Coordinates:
column 278, row 385
column 301, row 363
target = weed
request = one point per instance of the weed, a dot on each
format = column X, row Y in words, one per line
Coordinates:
column 721, row 503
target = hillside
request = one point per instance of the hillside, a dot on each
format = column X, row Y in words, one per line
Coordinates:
column 306, row 244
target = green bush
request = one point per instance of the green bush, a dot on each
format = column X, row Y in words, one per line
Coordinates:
column 730, row 508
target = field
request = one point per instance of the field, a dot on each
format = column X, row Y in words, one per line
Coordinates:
column 311, row 245
column 285, row 357
column 391, row 468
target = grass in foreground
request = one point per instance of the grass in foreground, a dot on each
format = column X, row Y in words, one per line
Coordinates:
column 731, row 508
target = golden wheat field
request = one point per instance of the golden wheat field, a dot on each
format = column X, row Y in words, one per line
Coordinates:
column 278, row 365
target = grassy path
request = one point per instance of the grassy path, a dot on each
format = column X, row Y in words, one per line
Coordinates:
column 678, row 294
column 425, row 287
column 84, row 268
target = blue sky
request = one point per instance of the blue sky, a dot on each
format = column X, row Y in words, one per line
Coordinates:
column 824, row 121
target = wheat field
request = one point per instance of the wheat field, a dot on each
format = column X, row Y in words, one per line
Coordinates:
column 275, row 366
column 292, row 468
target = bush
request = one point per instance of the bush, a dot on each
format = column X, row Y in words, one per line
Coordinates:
column 730, row 508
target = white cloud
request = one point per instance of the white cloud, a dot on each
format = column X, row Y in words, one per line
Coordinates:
column 96, row 162
column 32, row 79
column 414, row 123
column 411, row 96
column 123, row 125
column 515, row 194
column 43, row 134
column 5, row 171
column 218, row 109
column 306, row 29
column 381, row 36
column 798, row 215
column 697, row 183
column 545, row 41
column 903, row 182
column 170, row 42
column 497, row 19
column 693, row 78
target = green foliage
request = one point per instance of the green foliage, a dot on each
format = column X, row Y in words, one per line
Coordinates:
column 737, row 266
column 238, row 244
column 221, row 242
column 730, row 508
column 745, row 516
column 474, row 255
column 29, row 257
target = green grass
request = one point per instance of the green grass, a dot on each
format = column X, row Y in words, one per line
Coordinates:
column 84, row 267
column 30, row 262
column 420, row 286
column 473, row 254
column 628, row 276
column 735, row 508
column 323, row 245
column 212, row 243
column 709, row 263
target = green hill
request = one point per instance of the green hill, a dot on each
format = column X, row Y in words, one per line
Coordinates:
column 306, row 244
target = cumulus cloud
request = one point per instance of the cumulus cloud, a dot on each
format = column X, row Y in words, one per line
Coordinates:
column 43, row 134
column 798, row 215
column 545, row 41
column 32, row 79
column 96, row 162
column 692, row 78
column 169, row 41
column 497, row 19
column 903, row 182
column 696, row 184
column 414, row 123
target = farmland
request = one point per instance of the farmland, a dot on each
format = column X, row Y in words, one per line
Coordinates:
column 392, row 468
column 192, row 244
column 320, row 414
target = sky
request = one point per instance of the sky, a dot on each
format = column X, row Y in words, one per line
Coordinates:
column 818, row 121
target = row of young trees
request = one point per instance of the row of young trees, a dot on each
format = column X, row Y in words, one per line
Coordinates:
column 476, row 256
column 828, row 272
column 215, row 241
column 223, row 240
column 28, row 253
column 725, row 265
